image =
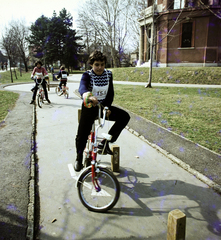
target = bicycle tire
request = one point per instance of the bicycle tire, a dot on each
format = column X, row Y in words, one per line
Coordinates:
column 57, row 90
column 40, row 100
column 103, row 200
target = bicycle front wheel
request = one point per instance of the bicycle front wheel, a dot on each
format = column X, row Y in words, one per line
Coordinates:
column 40, row 100
column 103, row 200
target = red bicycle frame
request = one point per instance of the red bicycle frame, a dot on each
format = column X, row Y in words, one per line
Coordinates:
column 93, row 150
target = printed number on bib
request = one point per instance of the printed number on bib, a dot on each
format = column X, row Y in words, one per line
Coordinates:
column 64, row 75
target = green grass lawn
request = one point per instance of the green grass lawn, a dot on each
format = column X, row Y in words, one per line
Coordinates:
column 5, row 77
column 206, row 75
column 191, row 112
column 7, row 103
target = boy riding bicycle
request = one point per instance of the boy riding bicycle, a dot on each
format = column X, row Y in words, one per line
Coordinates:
column 63, row 76
column 97, row 86
column 39, row 71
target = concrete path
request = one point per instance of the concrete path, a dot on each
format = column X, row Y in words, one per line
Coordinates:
column 151, row 185
column 15, row 153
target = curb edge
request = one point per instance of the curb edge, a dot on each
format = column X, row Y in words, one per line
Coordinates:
column 32, row 182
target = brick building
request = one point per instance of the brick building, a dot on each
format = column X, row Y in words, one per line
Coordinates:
column 184, row 33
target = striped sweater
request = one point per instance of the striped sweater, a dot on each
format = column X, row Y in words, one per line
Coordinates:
column 89, row 77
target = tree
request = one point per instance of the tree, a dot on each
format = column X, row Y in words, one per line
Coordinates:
column 70, row 49
column 54, row 39
column 20, row 34
column 8, row 44
column 105, row 22
column 15, row 44
column 135, row 13
column 85, row 32
column 39, row 36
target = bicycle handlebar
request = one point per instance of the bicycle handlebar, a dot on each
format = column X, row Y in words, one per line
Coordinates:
column 35, row 79
column 104, row 115
column 99, row 114
column 101, row 121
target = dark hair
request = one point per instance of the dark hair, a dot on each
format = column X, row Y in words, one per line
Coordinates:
column 38, row 62
column 62, row 68
column 97, row 56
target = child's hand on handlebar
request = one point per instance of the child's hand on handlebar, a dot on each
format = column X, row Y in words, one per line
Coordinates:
column 108, row 113
column 93, row 100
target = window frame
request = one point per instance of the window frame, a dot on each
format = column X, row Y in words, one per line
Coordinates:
column 192, row 37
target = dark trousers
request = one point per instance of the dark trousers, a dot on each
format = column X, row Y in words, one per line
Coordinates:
column 88, row 115
column 64, row 82
column 36, row 89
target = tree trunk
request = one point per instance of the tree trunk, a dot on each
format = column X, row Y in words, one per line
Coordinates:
column 11, row 72
column 151, row 51
column 23, row 58
column 20, row 69
column 113, row 57
column 26, row 66
column 15, row 73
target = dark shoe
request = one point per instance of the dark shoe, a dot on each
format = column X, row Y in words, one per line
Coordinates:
column 32, row 102
column 101, row 146
column 78, row 166
column 78, row 163
column 48, row 101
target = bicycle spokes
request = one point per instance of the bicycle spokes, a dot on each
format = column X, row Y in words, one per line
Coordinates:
column 102, row 197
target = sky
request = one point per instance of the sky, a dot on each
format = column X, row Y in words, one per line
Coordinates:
column 31, row 10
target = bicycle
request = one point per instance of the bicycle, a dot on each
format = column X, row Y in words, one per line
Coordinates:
column 98, row 187
column 41, row 93
column 65, row 91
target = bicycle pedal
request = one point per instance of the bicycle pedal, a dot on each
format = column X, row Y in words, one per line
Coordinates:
column 107, row 136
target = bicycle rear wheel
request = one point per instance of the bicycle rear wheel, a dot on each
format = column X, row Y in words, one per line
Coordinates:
column 40, row 100
column 57, row 90
column 103, row 200
column 67, row 94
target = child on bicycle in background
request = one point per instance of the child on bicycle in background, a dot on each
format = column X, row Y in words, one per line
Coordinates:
column 41, row 72
column 63, row 76
column 96, row 86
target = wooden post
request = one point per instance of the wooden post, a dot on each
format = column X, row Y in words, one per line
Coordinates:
column 79, row 115
column 176, row 226
column 115, row 158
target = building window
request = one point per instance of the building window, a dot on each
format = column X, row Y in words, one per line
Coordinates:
column 179, row 4
column 187, row 35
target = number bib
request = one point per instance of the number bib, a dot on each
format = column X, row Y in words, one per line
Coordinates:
column 64, row 75
column 100, row 92
column 39, row 75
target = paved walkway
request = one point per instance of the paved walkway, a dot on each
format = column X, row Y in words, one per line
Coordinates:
column 15, row 153
column 151, row 185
